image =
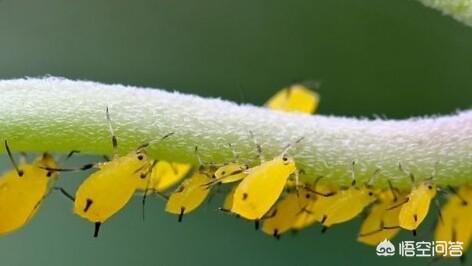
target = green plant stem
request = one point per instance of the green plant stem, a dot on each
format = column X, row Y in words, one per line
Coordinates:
column 61, row 115
column 461, row 10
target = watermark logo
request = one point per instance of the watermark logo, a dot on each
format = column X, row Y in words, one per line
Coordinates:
column 385, row 248
column 421, row 248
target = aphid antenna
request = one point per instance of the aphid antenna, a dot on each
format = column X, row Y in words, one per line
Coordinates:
column 12, row 160
column 372, row 177
column 407, row 173
column 153, row 142
column 114, row 140
column 291, row 145
column 260, row 154
column 233, row 151
column 456, row 193
column 353, row 173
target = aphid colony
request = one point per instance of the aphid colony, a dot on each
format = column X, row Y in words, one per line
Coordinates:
column 268, row 192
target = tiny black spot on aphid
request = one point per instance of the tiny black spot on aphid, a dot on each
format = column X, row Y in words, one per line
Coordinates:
column 307, row 195
column 284, row 159
column 245, row 195
column 21, row 173
column 140, row 157
column 223, row 172
column 88, row 203
column 371, row 193
column 430, row 187
column 415, row 217
column 49, row 174
column 464, row 203
column 142, row 175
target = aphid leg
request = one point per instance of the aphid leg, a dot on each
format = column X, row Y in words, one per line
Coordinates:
column 82, row 168
column 12, row 160
column 106, row 158
column 181, row 215
column 454, row 191
column 71, row 153
column 438, row 208
column 148, row 184
column 392, row 190
column 114, row 141
column 97, row 229
column 397, row 205
column 411, row 175
column 65, row 193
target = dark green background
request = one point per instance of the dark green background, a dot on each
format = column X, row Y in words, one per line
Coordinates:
column 393, row 58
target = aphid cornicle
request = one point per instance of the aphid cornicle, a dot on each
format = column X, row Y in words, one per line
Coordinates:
column 23, row 189
column 456, row 216
column 189, row 195
column 296, row 98
column 257, row 192
column 108, row 190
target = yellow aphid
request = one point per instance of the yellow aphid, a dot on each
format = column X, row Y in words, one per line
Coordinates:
column 164, row 175
column 22, row 190
column 415, row 209
column 232, row 172
column 107, row 191
column 382, row 222
column 296, row 98
column 346, row 205
column 258, row 191
column 189, row 195
column 456, row 218
column 283, row 216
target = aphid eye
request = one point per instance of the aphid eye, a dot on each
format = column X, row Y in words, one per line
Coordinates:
column 430, row 187
column 284, row 159
column 245, row 196
column 142, row 175
column 307, row 195
column 371, row 193
column 223, row 172
column 49, row 174
column 140, row 157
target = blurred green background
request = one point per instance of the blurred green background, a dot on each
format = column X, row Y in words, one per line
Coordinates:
column 392, row 58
